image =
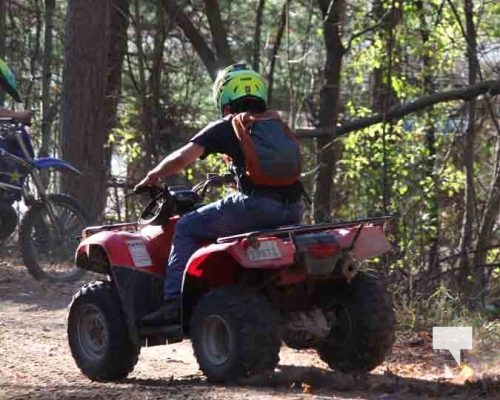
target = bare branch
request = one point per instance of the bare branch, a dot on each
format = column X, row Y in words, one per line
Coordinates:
column 219, row 33
column 256, row 36
column 491, row 87
column 367, row 29
column 184, row 23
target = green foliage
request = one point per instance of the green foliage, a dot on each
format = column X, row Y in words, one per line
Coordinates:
column 412, row 168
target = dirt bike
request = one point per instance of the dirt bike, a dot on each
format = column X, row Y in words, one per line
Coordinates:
column 52, row 222
column 242, row 295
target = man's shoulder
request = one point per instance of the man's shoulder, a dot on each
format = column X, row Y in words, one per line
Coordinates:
column 215, row 135
column 221, row 123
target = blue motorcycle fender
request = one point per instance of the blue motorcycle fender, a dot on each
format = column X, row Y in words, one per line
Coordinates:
column 49, row 162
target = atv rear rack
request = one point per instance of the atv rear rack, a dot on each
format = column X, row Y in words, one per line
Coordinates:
column 292, row 230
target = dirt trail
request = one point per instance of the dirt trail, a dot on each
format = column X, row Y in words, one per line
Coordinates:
column 35, row 362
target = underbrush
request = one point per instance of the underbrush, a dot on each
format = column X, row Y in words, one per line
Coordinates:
column 444, row 308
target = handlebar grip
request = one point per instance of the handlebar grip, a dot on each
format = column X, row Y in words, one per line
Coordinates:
column 142, row 190
column 228, row 178
column 153, row 191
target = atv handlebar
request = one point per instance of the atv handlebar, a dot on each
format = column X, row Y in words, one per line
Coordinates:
column 166, row 201
column 212, row 180
column 153, row 190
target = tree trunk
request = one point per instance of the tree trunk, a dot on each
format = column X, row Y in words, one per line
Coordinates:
column 257, row 35
column 468, row 279
column 382, row 93
column 149, row 86
column 144, row 93
column 430, row 141
column 177, row 15
column 274, row 54
column 329, row 106
column 219, row 34
column 3, row 24
column 492, row 208
column 156, row 71
column 95, row 45
column 47, row 116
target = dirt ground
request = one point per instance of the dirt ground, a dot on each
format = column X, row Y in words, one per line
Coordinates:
column 35, row 362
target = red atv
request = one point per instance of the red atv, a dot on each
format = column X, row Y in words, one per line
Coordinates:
column 242, row 295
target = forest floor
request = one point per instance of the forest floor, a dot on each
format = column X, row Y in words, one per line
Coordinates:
column 35, row 362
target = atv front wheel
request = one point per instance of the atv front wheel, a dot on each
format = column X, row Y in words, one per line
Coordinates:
column 234, row 334
column 98, row 335
column 363, row 322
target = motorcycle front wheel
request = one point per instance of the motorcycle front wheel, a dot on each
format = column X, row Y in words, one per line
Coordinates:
column 48, row 246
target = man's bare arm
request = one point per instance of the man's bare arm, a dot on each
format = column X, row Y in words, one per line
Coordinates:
column 173, row 163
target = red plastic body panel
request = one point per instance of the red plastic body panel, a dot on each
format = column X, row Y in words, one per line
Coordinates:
column 218, row 262
column 117, row 245
column 371, row 241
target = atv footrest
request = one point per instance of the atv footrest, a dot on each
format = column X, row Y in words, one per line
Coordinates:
column 169, row 331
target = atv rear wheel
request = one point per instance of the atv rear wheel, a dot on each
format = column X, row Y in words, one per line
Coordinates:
column 363, row 328
column 234, row 334
column 98, row 335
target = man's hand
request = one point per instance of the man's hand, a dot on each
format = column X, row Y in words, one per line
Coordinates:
column 151, row 179
column 172, row 164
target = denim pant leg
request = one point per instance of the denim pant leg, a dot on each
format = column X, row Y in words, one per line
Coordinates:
column 236, row 213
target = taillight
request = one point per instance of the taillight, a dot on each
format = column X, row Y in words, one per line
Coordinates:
column 323, row 250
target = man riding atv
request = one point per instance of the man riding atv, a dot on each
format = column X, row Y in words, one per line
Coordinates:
column 265, row 159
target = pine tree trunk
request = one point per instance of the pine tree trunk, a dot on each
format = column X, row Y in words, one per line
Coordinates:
column 95, row 45
column 329, row 107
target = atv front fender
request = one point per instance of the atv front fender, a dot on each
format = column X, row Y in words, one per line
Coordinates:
column 146, row 251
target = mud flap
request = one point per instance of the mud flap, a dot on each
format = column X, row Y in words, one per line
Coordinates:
column 140, row 293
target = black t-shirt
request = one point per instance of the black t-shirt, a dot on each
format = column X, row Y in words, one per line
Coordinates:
column 219, row 137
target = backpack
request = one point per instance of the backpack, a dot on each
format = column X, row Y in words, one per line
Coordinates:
column 271, row 151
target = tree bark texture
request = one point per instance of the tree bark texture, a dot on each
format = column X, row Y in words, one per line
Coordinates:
column 194, row 36
column 430, row 142
column 47, row 115
column 257, row 35
column 219, row 34
column 3, row 23
column 469, row 218
column 331, row 11
column 95, row 45
column 276, row 48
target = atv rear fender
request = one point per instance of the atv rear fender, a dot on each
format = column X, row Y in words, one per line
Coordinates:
column 216, row 264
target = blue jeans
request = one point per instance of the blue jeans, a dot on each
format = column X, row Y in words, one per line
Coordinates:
column 236, row 213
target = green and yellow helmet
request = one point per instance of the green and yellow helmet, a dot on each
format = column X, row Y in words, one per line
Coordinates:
column 8, row 81
column 235, row 82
